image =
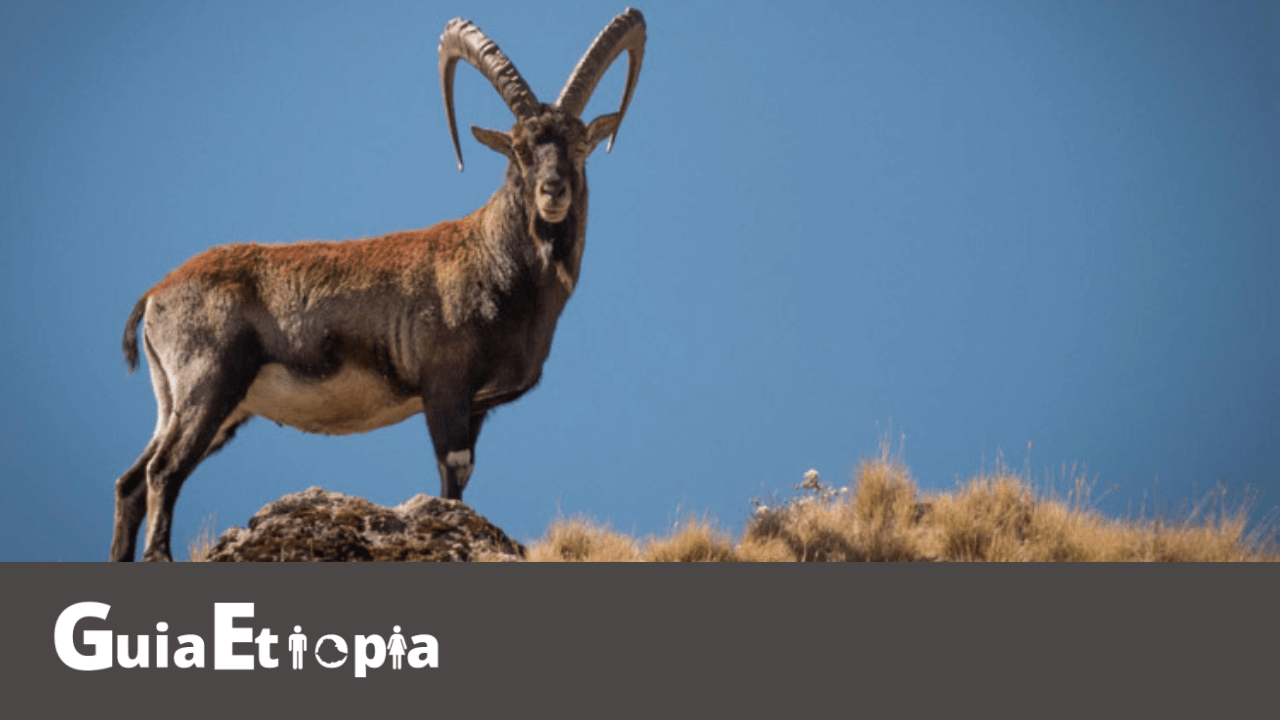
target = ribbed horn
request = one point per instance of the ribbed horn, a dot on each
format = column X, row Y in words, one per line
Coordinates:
column 462, row 40
column 626, row 32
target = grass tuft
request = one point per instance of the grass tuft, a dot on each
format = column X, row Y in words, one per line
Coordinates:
column 694, row 540
column 203, row 541
column 579, row 539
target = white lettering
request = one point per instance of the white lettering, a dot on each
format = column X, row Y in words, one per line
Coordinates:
column 162, row 645
column 226, row 635
column 136, row 651
column 64, row 637
column 192, row 655
column 265, row 640
column 122, row 652
column 363, row 660
column 426, row 656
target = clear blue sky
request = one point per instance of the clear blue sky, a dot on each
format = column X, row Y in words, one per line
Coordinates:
column 986, row 223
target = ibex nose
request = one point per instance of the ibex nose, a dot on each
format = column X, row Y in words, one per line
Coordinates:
column 553, row 188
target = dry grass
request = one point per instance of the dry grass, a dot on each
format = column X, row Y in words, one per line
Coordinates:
column 883, row 517
column 203, row 541
column 581, row 540
column 694, row 540
column 999, row 518
column 875, row 520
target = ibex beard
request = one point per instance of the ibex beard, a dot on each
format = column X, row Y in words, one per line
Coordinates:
column 346, row 337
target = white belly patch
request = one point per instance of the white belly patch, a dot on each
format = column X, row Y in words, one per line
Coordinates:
column 352, row 401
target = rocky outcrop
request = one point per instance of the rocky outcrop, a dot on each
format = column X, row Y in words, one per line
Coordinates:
column 318, row 525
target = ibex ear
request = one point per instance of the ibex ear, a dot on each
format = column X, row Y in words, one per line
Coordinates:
column 495, row 140
column 601, row 128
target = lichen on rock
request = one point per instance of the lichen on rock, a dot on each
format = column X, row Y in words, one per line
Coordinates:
column 319, row 525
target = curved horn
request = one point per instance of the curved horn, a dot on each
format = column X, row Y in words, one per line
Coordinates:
column 626, row 32
column 462, row 40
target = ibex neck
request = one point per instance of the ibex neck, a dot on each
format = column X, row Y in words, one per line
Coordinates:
column 553, row 248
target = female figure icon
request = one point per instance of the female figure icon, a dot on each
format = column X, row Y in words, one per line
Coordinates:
column 396, row 646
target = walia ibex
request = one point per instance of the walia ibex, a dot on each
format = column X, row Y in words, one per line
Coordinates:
column 346, row 337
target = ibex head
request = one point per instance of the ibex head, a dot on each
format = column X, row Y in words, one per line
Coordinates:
column 549, row 144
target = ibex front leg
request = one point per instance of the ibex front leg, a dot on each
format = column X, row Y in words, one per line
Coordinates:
column 453, row 434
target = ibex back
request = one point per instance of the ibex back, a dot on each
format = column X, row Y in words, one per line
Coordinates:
column 346, row 337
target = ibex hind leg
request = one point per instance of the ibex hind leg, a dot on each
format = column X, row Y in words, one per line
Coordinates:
column 131, row 507
column 179, row 451
column 131, row 496
column 202, row 406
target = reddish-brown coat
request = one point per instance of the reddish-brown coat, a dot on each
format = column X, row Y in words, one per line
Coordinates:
column 448, row 247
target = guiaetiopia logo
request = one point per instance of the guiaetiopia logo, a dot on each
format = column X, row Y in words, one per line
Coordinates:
column 329, row 651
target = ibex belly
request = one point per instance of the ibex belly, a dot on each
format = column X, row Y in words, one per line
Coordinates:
column 353, row 400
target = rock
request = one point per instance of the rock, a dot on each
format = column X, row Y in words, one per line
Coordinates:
column 318, row 525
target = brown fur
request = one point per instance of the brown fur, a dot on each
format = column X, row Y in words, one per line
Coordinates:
column 453, row 253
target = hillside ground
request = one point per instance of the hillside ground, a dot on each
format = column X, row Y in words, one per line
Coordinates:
column 882, row 516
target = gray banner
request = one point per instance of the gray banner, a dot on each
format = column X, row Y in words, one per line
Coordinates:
column 652, row 640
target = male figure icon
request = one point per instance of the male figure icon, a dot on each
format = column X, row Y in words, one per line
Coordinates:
column 298, row 645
